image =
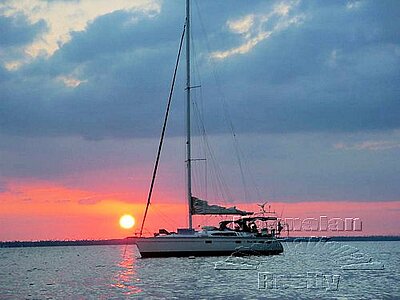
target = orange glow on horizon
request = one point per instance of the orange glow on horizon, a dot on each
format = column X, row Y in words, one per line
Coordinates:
column 46, row 211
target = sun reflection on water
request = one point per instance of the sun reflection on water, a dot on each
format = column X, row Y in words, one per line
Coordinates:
column 126, row 278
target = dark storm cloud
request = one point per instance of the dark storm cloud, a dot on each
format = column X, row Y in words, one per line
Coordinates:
column 3, row 74
column 120, row 32
column 127, row 81
column 322, row 75
column 336, row 71
column 15, row 31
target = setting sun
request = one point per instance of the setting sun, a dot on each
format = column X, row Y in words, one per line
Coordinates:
column 127, row 221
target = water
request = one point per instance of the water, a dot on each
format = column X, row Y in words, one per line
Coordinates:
column 115, row 272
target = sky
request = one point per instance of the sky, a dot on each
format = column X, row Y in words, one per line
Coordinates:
column 310, row 89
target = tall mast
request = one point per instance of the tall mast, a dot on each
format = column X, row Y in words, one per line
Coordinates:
column 188, row 142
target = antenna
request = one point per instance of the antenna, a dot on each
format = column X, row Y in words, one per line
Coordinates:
column 262, row 207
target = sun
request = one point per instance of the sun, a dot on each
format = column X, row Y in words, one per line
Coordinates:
column 126, row 221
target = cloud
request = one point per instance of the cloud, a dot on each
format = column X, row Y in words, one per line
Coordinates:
column 110, row 77
column 244, row 48
column 18, row 189
column 17, row 31
column 241, row 26
column 353, row 5
column 115, row 33
column 62, row 201
column 369, row 145
column 64, row 17
column 105, row 75
column 83, row 117
column 70, row 81
column 255, row 28
column 4, row 75
column 89, row 201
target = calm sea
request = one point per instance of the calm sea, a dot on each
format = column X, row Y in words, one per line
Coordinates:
column 325, row 270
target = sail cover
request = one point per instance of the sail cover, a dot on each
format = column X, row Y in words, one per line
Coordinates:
column 201, row 207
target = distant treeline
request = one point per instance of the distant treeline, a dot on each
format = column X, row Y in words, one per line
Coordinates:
column 131, row 240
column 13, row 244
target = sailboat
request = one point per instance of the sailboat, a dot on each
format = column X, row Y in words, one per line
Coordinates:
column 247, row 234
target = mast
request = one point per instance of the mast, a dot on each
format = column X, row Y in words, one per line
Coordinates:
column 188, row 142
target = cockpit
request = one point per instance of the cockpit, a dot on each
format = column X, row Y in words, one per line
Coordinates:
column 261, row 225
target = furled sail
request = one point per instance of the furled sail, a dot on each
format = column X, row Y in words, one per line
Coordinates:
column 201, row 207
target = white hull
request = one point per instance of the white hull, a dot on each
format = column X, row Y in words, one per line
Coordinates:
column 174, row 246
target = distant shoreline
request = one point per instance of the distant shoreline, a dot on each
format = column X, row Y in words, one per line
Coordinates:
column 18, row 244
column 131, row 241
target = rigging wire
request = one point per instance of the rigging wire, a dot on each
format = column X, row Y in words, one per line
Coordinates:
column 198, row 94
column 196, row 172
column 196, row 98
column 165, row 218
column 221, row 188
column 218, row 172
column 163, row 131
column 228, row 119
